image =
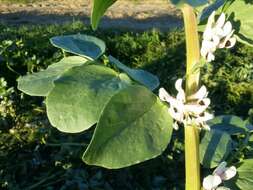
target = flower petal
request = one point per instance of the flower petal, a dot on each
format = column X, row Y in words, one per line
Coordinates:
column 227, row 29
column 177, row 115
column 178, row 84
column 218, row 32
column 221, row 21
column 207, row 116
column 220, row 169
column 232, row 42
column 204, row 102
column 164, row 95
column 211, row 182
column 229, row 173
column 181, row 93
column 208, row 33
column 216, row 40
column 207, row 49
column 210, row 57
column 228, row 42
column 175, row 126
column 205, row 126
column 174, row 103
column 204, row 51
column 200, row 94
column 194, row 109
column 211, row 20
column 209, row 46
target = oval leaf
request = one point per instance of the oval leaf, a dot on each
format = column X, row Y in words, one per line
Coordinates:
column 134, row 126
column 99, row 8
column 41, row 83
column 143, row 77
column 245, row 175
column 230, row 124
column 215, row 146
column 79, row 96
column 86, row 46
column 241, row 13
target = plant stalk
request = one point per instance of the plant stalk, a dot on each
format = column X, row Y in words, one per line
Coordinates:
column 192, row 163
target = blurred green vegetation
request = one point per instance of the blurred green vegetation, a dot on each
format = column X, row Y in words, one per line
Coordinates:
column 34, row 155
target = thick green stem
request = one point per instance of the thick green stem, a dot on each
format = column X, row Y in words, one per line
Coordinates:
column 192, row 48
column 192, row 163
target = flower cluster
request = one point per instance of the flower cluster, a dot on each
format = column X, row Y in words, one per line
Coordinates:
column 221, row 173
column 188, row 112
column 216, row 35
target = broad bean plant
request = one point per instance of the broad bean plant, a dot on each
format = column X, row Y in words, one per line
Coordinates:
column 133, row 117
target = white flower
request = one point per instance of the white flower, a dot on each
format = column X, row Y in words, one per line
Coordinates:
column 221, row 173
column 192, row 111
column 217, row 34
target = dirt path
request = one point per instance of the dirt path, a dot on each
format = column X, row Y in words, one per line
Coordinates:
column 124, row 13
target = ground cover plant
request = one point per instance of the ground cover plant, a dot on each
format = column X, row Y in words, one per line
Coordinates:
column 157, row 53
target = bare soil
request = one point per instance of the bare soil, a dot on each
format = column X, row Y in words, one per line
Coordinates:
column 124, row 14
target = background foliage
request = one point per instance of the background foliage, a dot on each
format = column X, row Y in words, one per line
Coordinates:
column 34, row 155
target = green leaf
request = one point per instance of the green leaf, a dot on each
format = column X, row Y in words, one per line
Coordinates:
column 86, row 46
column 80, row 95
column 135, row 126
column 207, row 11
column 99, row 8
column 193, row 3
column 241, row 13
column 245, row 175
column 215, row 146
column 230, row 124
column 143, row 77
column 248, row 125
column 41, row 83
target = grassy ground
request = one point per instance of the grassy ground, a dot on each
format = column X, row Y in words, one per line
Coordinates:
column 31, row 1
column 33, row 155
column 19, row 1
